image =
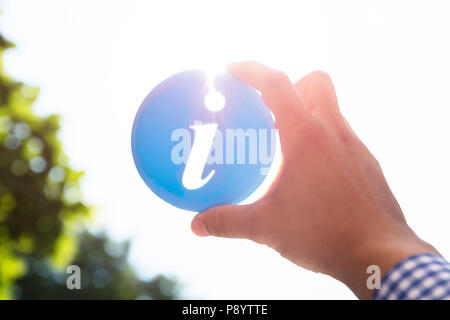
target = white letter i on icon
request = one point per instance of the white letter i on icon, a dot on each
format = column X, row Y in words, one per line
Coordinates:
column 203, row 140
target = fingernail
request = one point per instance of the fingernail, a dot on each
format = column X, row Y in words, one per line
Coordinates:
column 198, row 227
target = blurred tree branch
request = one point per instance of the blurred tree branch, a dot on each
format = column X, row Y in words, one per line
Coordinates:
column 42, row 216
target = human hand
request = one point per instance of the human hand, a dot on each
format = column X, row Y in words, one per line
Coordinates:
column 330, row 210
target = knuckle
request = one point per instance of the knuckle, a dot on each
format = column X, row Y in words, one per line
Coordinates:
column 320, row 75
column 376, row 164
column 276, row 79
column 257, row 220
column 254, row 230
column 216, row 224
column 313, row 130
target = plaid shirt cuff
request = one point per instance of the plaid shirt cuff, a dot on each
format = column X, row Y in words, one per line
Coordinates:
column 423, row 276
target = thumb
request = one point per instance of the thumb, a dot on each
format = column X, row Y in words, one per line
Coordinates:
column 229, row 221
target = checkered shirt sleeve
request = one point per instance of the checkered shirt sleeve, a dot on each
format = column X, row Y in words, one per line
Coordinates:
column 423, row 276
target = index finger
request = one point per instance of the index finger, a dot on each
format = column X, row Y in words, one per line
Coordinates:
column 276, row 89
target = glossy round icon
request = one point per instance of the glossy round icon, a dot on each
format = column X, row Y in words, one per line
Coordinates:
column 199, row 142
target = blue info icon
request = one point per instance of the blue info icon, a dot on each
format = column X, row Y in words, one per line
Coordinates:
column 201, row 141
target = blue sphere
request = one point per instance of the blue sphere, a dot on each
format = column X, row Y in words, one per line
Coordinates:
column 195, row 154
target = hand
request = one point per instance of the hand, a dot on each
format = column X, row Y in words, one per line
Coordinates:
column 330, row 209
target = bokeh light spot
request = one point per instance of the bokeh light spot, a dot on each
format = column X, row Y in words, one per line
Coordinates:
column 21, row 131
column 35, row 146
column 57, row 174
column 12, row 142
column 19, row 168
column 101, row 278
column 38, row 164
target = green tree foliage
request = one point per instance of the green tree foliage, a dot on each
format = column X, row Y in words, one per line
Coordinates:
column 105, row 274
column 42, row 215
column 40, row 207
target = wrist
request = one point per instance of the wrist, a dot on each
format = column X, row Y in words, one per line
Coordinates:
column 383, row 252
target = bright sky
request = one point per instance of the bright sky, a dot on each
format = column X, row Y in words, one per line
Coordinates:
column 95, row 61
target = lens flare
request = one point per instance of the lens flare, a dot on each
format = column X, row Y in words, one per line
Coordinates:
column 214, row 100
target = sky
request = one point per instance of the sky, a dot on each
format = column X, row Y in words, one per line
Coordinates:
column 95, row 61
